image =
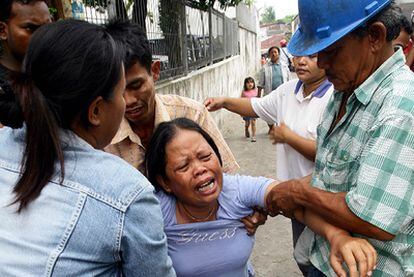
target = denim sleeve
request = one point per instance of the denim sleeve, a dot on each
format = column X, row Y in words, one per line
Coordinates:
column 144, row 243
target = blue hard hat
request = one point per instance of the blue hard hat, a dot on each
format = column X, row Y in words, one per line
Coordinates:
column 323, row 22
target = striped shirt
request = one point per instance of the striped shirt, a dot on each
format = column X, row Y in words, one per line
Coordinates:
column 127, row 145
column 370, row 155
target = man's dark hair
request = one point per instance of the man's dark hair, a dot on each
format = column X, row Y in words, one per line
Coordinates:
column 156, row 153
column 406, row 25
column 390, row 17
column 6, row 7
column 271, row 48
column 134, row 39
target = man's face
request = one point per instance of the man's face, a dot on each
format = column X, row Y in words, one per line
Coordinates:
column 274, row 55
column 140, row 93
column 306, row 67
column 348, row 62
column 23, row 21
column 402, row 40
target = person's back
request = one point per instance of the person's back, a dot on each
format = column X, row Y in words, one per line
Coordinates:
column 80, row 226
column 68, row 208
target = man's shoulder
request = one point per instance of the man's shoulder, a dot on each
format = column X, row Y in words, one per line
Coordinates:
column 172, row 100
column 288, row 86
column 399, row 91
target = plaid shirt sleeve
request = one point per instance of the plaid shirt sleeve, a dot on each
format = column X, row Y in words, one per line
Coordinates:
column 383, row 195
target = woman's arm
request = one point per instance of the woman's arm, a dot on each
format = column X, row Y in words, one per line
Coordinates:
column 358, row 254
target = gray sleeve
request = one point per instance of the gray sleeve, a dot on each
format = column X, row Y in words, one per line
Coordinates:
column 266, row 107
column 261, row 78
column 144, row 243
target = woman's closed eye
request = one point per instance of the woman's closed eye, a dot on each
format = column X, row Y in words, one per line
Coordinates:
column 206, row 157
column 182, row 167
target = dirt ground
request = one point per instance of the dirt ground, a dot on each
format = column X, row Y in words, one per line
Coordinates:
column 272, row 254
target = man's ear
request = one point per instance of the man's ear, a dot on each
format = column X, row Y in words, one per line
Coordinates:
column 3, row 30
column 161, row 181
column 155, row 70
column 377, row 35
column 95, row 111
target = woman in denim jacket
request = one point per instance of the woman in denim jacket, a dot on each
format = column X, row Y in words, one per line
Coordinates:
column 66, row 207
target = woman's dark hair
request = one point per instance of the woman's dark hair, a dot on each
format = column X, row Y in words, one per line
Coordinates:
column 68, row 65
column 249, row 79
column 156, row 156
column 135, row 42
column 271, row 48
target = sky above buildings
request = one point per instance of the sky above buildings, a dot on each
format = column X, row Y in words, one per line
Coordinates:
column 281, row 7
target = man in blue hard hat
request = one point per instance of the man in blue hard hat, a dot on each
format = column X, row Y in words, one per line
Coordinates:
column 363, row 180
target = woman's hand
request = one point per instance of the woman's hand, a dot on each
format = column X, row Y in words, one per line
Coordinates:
column 252, row 222
column 358, row 254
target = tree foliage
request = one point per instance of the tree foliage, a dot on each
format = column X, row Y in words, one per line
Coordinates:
column 288, row 19
column 268, row 16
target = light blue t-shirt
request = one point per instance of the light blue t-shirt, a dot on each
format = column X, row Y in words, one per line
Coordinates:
column 215, row 248
column 277, row 77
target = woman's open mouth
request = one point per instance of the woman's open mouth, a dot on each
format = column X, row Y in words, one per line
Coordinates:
column 208, row 187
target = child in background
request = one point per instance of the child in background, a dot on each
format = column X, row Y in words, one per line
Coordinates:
column 249, row 91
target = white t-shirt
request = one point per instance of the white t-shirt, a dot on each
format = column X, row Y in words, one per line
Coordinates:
column 301, row 115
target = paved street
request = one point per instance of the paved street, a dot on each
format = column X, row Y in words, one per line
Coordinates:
column 272, row 255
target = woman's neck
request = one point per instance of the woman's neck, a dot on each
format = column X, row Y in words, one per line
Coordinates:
column 188, row 214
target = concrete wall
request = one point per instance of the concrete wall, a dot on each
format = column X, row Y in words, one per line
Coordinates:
column 248, row 17
column 221, row 79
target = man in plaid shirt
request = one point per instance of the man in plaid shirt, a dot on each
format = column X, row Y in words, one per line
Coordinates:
column 364, row 170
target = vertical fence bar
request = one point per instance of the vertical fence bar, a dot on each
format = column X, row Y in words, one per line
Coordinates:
column 210, row 31
column 183, row 36
column 225, row 42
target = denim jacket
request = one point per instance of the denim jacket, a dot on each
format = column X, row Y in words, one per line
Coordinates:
column 102, row 220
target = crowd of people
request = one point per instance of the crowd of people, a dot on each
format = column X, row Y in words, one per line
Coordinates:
column 99, row 175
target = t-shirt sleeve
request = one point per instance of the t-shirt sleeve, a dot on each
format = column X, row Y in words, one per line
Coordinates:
column 251, row 190
column 383, row 194
column 266, row 107
column 261, row 78
column 167, row 205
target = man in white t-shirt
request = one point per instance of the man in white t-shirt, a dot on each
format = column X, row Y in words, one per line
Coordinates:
column 296, row 108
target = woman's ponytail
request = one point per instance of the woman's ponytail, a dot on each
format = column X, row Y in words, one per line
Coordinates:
column 43, row 146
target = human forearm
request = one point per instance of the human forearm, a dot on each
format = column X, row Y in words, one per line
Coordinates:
column 317, row 224
column 241, row 106
column 358, row 254
column 333, row 208
column 306, row 147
